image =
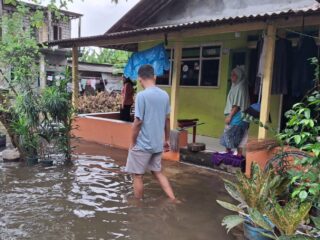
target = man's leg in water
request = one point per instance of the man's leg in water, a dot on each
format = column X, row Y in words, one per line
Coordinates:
column 138, row 186
column 164, row 183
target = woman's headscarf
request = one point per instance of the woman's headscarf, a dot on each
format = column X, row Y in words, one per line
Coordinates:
column 239, row 92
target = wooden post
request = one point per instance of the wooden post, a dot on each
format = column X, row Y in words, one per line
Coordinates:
column 267, row 79
column 175, row 85
column 75, row 76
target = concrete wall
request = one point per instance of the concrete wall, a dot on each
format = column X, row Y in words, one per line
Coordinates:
column 208, row 103
column 42, row 34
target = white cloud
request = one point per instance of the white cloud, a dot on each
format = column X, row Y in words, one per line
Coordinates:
column 99, row 15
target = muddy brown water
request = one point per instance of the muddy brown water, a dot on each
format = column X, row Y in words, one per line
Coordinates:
column 93, row 200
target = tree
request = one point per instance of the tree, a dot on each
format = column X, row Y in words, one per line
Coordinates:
column 107, row 56
column 31, row 117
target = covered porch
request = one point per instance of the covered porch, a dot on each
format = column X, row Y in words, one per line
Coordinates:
column 205, row 103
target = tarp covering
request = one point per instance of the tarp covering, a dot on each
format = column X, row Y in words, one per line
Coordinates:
column 156, row 56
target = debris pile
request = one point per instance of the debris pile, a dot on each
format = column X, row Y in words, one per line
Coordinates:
column 100, row 103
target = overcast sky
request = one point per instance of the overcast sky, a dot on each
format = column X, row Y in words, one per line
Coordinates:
column 99, row 15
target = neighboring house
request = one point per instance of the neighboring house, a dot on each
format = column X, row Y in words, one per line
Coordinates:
column 205, row 40
column 52, row 29
column 100, row 76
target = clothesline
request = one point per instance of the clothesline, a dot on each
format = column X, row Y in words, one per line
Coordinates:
column 300, row 33
column 95, row 78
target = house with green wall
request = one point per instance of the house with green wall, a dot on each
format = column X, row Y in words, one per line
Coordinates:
column 205, row 40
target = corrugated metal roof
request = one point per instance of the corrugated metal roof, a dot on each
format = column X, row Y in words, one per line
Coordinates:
column 180, row 12
column 92, row 67
column 168, row 13
column 308, row 7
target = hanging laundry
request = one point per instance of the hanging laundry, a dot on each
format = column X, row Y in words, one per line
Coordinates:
column 262, row 47
column 69, row 87
column 83, row 83
column 93, row 83
column 282, row 66
column 262, row 57
column 303, row 71
column 156, row 56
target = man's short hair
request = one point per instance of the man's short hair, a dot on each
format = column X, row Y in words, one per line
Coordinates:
column 146, row 72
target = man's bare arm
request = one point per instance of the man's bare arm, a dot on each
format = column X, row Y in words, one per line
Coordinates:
column 136, row 127
column 167, row 134
column 167, row 129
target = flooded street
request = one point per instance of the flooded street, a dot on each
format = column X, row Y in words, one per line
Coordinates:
column 93, row 200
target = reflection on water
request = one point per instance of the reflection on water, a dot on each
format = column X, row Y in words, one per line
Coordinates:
column 92, row 200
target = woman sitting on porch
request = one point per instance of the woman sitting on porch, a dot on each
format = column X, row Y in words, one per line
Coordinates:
column 236, row 131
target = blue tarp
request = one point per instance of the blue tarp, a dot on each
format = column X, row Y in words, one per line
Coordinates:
column 156, row 56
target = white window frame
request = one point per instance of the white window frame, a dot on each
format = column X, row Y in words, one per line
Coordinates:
column 200, row 59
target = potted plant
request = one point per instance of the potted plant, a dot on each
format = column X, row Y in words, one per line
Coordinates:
column 253, row 195
column 3, row 140
column 28, row 140
column 266, row 208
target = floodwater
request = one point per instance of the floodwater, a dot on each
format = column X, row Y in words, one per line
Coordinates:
column 93, row 200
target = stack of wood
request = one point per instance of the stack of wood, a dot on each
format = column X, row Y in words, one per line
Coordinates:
column 100, row 103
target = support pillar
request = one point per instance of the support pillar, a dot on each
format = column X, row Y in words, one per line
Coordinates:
column 267, row 79
column 79, row 27
column 43, row 73
column 75, row 76
column 175, row 85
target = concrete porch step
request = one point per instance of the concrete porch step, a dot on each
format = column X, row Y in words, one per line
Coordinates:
column 204, row 158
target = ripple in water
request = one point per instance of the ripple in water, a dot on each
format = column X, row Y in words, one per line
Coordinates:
column 91, row 200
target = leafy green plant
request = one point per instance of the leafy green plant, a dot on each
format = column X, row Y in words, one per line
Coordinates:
column 261, row 204
column 58, row 115
column 253, row 195
column 117, row 58
column 34, row 119
column 302, row 131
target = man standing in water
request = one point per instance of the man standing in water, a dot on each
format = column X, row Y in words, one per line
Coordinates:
column 150, row 137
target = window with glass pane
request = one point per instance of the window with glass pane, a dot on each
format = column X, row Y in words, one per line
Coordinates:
column 210, row 72
column 191, row 53
column 190, row 73
column 211, row 52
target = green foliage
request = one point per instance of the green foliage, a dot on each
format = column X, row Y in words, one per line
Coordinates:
column 232, row 221
column 107, row 56
column 260, row 220
column 303, row 131
column 19, row 50
column 259, row 200
column 287, row 218
column 253, row 195
column 260, row 187
column 38, row 120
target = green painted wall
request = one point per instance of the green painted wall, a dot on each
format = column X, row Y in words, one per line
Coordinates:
column 205, row 103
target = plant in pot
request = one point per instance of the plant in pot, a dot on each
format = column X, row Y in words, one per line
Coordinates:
column 253, row 195
column 58, row 116
column 266, row 208
column 28, row 139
